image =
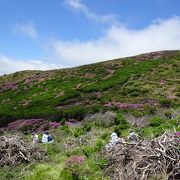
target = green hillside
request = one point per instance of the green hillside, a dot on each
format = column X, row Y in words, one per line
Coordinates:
column 148, row 80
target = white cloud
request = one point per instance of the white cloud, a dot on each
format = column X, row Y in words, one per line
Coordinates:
column 79, row 6
column 8, row 65
column 26, row 29
column 119, row 41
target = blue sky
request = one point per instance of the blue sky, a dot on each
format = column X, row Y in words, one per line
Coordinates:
column 47, row 34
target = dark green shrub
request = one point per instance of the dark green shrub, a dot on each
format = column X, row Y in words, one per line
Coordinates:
column 99, row 145
column 137, row 113
column 69, row 94
column 119, row 119
column 144, row 90
column 150, row 109
column 158, row 131
column 178, row 94
column 117, row 130
column 156, row 121
column 78, row 132
column 178, row 129
column 5, row 119
column 165, row 103
column 102, row 162
column 124, row 126
column 76, row 112
column 63, row 121
column 168, row 114
column 87, row 127
column 105, row 136
column 135, row 94
column 121, row 122
column 173, row 122
column 65, row 130
column 88, row 150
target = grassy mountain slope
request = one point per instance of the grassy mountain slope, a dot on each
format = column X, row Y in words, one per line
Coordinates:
column 150, row 79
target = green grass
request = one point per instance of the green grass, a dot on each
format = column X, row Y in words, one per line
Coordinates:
column 55, row 168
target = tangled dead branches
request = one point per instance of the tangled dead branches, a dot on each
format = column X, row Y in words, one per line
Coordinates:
column 14, row 151
column 159, row 157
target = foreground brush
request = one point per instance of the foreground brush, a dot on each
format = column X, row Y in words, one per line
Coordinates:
column 159, row 157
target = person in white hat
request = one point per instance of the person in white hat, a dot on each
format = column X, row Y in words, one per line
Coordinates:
column 114, row 138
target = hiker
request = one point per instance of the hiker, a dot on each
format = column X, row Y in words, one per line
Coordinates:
column 112, row 142
column 132, row 136
column 35, row 137
column 45, row 137
column 114, row 138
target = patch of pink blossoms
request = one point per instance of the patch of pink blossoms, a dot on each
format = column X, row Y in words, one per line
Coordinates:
column 124, row 105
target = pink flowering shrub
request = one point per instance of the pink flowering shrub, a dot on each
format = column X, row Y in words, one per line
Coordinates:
column 171, row 96
column 71, row 122
column 74, row 160
column 124, row 105
column 54, row 124
column 73, row 166
column 28, row 125
column 10, row 85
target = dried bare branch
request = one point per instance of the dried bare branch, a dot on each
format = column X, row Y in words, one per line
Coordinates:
column 145, row 159
column 14, row 151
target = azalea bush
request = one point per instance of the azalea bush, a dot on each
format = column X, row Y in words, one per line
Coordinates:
column 54, row 124
column 74, row 160
column 73, row 166
column 121, row 105
column 28, row 125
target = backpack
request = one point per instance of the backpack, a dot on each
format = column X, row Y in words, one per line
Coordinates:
column 50, row 138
